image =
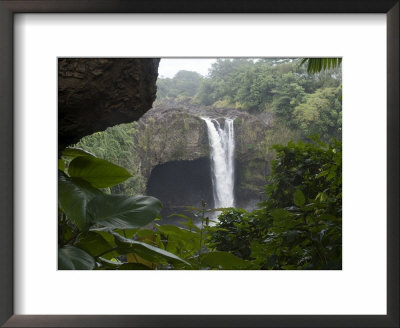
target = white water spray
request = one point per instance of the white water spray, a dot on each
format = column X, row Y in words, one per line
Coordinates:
column 222, row 148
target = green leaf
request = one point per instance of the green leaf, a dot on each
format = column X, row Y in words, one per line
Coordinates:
column 193, row 208
column 74, row 195
column 332, row 173
column 97, row 171
column 109, row 264
column 280, row 213
column 127, row 233
column 179, row 215
column 180, row 233
column 189, row 223
column 322, row 174
column 95, row 244
column 124, row 212
column 299, row 198
column 315, row 65
column 143, row 233
column 222, row 260
column 73, row 258
column 72, row 153
column 146, row 251
column 105, row 233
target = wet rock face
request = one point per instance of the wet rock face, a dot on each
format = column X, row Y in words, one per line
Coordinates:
column 96, row 93
column 171, row 137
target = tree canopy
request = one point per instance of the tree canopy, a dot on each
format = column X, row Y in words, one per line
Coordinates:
column 283, row 87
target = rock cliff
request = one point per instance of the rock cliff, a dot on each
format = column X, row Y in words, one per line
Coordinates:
column 177, row 134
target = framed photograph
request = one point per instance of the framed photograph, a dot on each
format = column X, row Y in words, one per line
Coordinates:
column 271, row 71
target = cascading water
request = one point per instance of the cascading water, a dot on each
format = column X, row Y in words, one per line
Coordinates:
column 222, row 148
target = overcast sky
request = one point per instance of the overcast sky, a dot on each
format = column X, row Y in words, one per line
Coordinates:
column 170, row 66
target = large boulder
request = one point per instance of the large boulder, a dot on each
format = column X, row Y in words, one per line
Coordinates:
column 96, row 93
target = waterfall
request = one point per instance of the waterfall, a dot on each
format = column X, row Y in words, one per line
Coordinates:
column 222, row 148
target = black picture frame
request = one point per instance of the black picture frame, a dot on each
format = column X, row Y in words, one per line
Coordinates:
column 10, row 7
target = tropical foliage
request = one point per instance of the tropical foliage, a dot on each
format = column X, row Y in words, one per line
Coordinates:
column 298, row 226
column 315, row 65
column 102, row 231
column 117, row 145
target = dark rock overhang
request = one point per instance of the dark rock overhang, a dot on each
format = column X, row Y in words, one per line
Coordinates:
column 96, row 93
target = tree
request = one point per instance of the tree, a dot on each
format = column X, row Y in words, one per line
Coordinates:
column 187, row 83
column 183, row 84
column 287, row 95
column 321, row 114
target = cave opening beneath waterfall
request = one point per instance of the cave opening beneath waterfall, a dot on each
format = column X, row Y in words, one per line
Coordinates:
column 181, row 183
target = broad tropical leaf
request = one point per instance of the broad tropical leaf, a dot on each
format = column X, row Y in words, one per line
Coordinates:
column 108, row 264
column 124, row 212
column 73, row 258
column 146, row 251
column 97, row 171
column 72, row 153
column 73, row 196
column 180, row 233
column 104, row 232
column 136, row 259
column 96, row 245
